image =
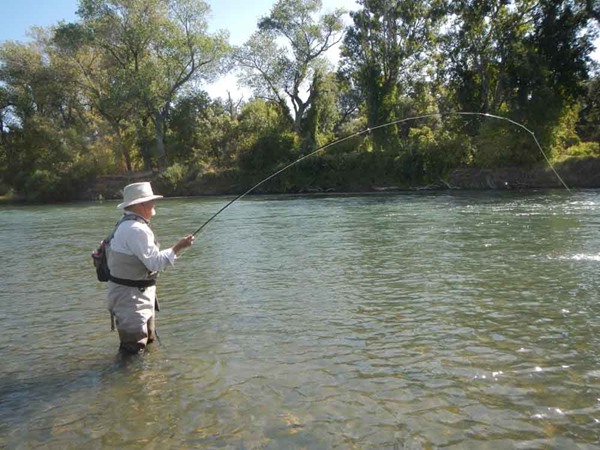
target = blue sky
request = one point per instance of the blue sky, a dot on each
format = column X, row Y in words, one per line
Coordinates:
column 17, row 16
column 239, row 17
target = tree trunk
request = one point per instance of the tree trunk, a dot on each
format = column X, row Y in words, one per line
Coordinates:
column 298, row 119
column 122, row 149
column 159, row 131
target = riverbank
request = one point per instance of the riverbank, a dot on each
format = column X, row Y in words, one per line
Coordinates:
column 574, row 173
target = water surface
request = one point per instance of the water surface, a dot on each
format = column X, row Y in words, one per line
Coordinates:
column 429, row 320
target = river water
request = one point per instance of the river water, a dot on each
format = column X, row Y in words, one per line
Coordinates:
column 405, row 321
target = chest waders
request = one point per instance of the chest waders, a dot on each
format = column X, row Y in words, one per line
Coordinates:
column 140, row 284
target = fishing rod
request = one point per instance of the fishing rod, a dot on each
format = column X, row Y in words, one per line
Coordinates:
column 367, row 131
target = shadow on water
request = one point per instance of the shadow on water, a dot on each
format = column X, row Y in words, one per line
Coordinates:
column 430, row 320
column 22, row 400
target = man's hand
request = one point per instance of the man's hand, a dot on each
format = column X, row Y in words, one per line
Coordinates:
column 184, row 242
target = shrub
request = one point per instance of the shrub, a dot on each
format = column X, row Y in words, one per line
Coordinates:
column 268, row 152
column 580, row 151
column 172, row 180
column 43, row 185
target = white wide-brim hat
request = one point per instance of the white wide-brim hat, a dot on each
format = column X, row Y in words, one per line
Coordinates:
column 137, row 193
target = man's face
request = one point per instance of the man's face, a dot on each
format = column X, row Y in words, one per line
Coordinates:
column 149, row 209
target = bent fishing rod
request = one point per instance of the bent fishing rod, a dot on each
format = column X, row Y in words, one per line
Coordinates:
column 367, row 131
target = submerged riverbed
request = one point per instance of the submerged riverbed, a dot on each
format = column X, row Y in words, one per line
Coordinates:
column 412, row 320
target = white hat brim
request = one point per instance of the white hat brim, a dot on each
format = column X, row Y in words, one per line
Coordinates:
column 138, row 200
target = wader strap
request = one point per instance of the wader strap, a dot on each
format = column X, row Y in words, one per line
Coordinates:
column 126, row 217
column 132, row 283
column 112, row 322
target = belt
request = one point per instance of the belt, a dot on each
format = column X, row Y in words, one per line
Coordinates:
column 133, row 283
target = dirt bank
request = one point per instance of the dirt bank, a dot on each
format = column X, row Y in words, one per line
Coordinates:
column 576, row 173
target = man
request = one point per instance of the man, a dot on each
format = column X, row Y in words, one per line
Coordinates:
column 134, row 260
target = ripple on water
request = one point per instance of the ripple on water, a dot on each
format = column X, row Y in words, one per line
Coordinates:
column 408, row 321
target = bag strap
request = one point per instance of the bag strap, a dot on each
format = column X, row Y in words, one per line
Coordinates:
column 124, row 219
column 131, row 283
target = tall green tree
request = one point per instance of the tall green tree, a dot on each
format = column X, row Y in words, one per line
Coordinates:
column 324, row 114
column 4, row 106
column 589, row 125
column 283, row 59
column 387, row 50
column 482, row 34
column 591, row 8
column 135, row 56
column 201, row 132
column 525, row 59
column 44, row 120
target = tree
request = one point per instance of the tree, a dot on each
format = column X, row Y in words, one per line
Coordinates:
column 525, row 59
column 200, row 131
column 476, row 47
column 385, row 51
column 264, row 140
column 4, row 106
column 323, row 115
column 135, row 56
column 591, row 8
column 282, row 73
column 45, row 121
column 589, row 126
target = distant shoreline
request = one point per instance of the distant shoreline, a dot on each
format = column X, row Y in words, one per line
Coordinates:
column 576, row 173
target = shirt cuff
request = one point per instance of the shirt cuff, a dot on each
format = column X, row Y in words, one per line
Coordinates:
column 171, row 255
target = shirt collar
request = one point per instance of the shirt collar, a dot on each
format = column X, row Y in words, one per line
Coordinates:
column 131, row 213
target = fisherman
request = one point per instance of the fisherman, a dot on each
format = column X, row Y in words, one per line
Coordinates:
column 134, row 260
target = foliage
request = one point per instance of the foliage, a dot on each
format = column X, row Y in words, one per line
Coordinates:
column 588, row 127
column 120, row 91
column 563, row 134
column 199, row 131
column 270, row 151
column 135, row 56
column 172, row 179
column 581, row 150
column 384, row 52
column 281, row 72
column 438, row 151
column 263, row 143
column 498, row 145
column 525, row 60
column 323, row 116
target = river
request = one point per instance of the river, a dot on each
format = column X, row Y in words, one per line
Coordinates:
column 401, row 321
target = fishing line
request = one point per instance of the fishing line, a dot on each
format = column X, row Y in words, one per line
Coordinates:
column 367, row 131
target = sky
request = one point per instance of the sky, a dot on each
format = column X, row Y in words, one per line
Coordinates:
column 239, row 17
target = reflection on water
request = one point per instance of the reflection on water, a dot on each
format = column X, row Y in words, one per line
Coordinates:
column 461, row 320
column 586, row 257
